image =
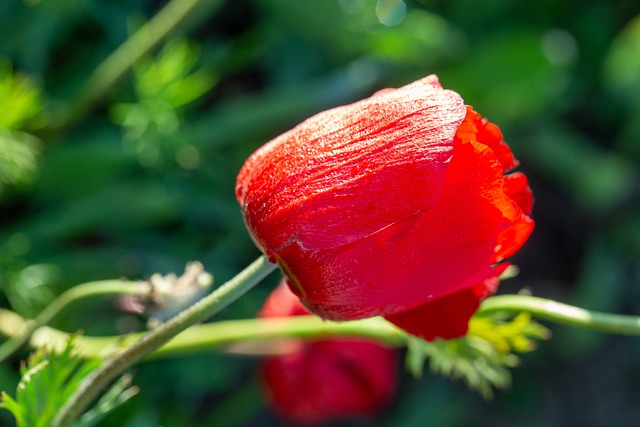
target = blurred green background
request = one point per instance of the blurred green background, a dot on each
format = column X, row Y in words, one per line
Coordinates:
column 142, row 180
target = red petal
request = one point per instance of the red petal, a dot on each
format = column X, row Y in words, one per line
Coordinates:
column 282, row 303
column 447, row 317
column 516, row 186
column 512, row 237
column 329, row 380
column 424, row 257
column 378, row 161
column 476, row 129
column 519, row 226
column 326, row 379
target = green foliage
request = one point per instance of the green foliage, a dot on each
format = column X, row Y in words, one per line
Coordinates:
column 48, row 379
column 172, row 77
column 29, row 288
column 164, row 85
column 118, row 394
column 483, row 357
column 622, row 66
column 20, row 99
column 508, row 334
column 598, row 179
column 20, row 108
column 19, row 153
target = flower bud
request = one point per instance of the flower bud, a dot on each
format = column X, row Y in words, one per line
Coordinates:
column 395, row 206
column 328, row 379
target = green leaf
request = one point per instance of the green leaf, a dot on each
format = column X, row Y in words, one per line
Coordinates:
column 622, row 66
column 49, row 379
column 20, row 99
column 119, row 393
column 508, row 334
column 483, row 357
column 19, row 154
column 28, row 288
column 170, row 77
column 416, row 355
column 152, row 126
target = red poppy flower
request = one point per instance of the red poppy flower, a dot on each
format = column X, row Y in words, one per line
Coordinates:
column 325, row 380
column 396, row 205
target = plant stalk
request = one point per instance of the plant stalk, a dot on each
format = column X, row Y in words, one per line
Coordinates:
column 206, row 337
column 564, row 314
column 211, row 336
column 99, row 379
column 64, row 302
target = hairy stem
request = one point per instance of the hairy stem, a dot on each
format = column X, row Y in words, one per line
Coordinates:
column 99, row 379
column 64, row 302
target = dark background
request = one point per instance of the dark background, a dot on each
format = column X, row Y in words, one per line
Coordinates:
column 144, row 182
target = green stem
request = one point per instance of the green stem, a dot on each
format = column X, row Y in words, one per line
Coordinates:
column 205, row 337
column 562, row 313
column 112, row 69
column 95, row 382
column 312, row 327
column 66, row 300
column 202, row 338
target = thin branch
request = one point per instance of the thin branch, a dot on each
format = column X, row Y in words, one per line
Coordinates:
column 63, row 302
column 99, row 379
column 211, row 336
column 562, row 313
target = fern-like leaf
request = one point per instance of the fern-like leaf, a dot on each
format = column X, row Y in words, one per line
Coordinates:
column 47, row 382
column 483, row 358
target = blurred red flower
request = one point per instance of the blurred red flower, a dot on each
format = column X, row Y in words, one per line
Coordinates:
column 328, row 379
column 396, row 205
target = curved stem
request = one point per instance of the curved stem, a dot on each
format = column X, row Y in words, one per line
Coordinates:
column 310, row 327
column 95, row 382
column 66, row 300
column 205, row 337
column 562, row 313
column 112, row 69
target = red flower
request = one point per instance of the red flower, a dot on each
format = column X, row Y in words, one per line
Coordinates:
column 395, row 206
column 328, row 379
